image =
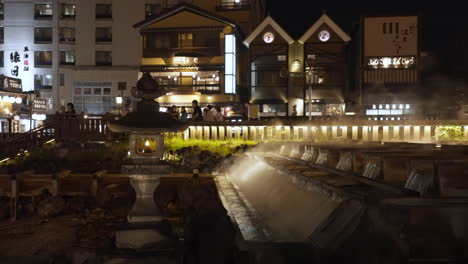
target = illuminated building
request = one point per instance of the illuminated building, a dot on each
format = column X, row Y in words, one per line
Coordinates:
column 88, row 53
column 388, row 60
column 282, row 69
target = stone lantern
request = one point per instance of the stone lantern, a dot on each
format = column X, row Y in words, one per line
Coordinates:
column 146, row 148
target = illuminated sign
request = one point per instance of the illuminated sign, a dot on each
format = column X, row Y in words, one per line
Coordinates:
column 40, row 104
column 390, row 62
column 11, row 84
column 184, row 60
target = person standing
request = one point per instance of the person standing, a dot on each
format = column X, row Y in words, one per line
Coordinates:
column 70, row 109
column 183, row 114
column 218, row 116
column 197, row 112
column 294, row 112
column 208, row 116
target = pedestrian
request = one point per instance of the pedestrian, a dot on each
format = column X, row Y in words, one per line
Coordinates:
column 173, row 112
column 294, row 112
column 70, row 109
column 183, row 114
column 205, row 113
column 197, row 112
column 218, row 116
column 208, row 116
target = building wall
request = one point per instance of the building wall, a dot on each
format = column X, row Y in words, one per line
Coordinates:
column 19, row 24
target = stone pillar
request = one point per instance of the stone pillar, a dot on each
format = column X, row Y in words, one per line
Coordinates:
column 222, row 130
column 214, row 133
column 406, row 133
column 365, row 133
column 375, row 133
column 385, row 136
column 334, row 132
column 396, row 133
column 354, row 133
column 144, row 209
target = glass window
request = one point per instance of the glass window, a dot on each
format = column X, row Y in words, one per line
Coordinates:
column 67, row 35
column 151, row 10
column 87, row 91
column 67, row 57
column 42, row 81
column 1, row 59
column 1, row 10
column 103, row 34
column 234, row 4
column 103, row 58
column 97, row 91
column 103, row 11
column 43, row 58
column 68, row 11
column 43, row 11
column 107, row 91
column 1, row 35
column 42, row 35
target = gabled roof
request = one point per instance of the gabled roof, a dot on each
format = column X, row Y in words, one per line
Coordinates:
column 184, row 7
column 268, row 21
column 324, row 19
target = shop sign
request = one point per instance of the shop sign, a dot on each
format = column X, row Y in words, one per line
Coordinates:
column 40, row 104
column 12, row 84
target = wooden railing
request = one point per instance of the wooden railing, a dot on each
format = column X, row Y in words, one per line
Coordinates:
column 26, row 141
column 81, row 128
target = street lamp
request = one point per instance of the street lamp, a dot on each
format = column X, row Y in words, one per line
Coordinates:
column 309, row 70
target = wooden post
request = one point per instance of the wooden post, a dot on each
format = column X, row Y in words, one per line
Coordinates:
column 13, row 198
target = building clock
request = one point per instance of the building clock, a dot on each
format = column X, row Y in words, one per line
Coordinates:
column 324, row 35
column 268, row 37
column 295, row 65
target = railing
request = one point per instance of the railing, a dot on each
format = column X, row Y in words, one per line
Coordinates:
column 81, row 128
column 424, row 131
column 26, row 141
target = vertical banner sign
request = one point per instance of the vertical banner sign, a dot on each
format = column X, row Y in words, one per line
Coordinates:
column 26, row 59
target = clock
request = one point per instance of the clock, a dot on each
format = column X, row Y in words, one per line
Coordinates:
column 268, row 37
column 295, row 65
column 324, row 35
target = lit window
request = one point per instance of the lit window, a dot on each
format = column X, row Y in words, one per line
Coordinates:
column 67, row 57
column 68, row 11
column 230, row 64
column 42, row 81
column 43, row 11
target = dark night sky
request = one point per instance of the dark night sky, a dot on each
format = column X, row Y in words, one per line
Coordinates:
column 444, row 28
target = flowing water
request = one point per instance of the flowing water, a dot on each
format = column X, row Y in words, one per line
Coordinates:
column 346, row 162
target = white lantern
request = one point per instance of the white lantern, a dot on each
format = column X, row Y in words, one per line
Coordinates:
column 18, row 100
column 5, row 99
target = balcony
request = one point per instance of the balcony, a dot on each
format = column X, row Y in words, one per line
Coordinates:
column 170, row 52
column 193, row 88
column 228, row 5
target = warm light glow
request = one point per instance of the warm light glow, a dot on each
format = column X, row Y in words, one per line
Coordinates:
column 147, row 143
column 374, row 106
column 407, row 106
column 118, row 99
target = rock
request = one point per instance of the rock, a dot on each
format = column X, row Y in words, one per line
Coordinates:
column 50, row 207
